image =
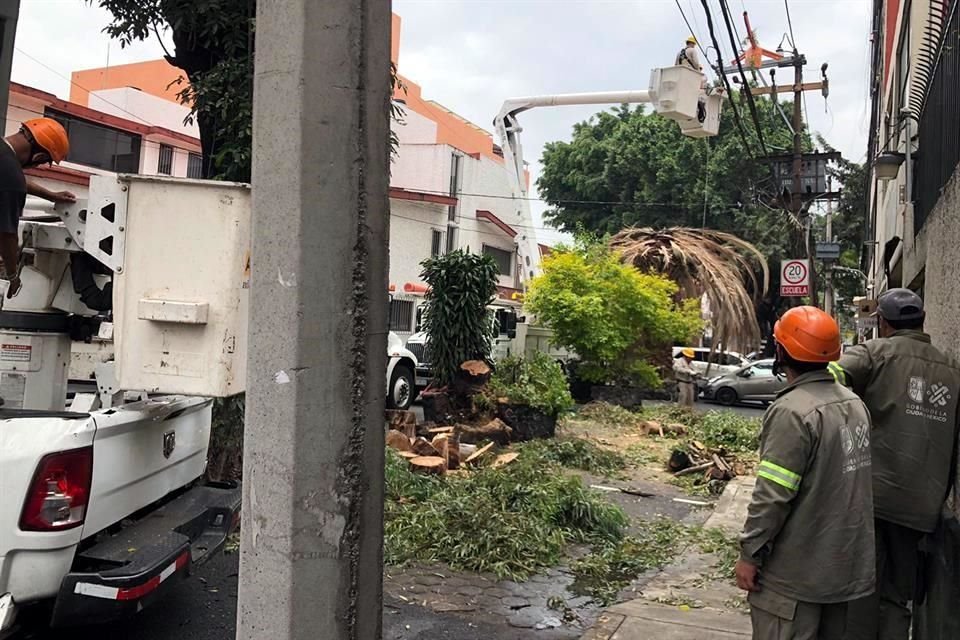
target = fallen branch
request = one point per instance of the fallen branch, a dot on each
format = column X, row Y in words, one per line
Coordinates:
column 694, row 469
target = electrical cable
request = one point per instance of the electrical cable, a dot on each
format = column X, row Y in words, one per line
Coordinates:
column 743, row 76
column 793, row 40
column 726, row 83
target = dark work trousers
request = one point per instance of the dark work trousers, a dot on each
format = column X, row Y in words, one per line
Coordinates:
column 887, row 613
column 777, row 617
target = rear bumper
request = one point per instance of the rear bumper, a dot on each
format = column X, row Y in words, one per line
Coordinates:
column 145, row 561
column 8, row 614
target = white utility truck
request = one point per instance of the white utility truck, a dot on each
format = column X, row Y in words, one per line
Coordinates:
column 103, row 505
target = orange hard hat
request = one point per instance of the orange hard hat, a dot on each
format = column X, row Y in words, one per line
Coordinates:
column 808, row 334
column 49, row 135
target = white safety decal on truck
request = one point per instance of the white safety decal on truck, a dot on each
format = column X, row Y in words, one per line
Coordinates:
column 16, row 352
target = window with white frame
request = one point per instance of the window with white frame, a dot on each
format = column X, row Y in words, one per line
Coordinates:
column 436, row 243
column 502, row 257
column 165, row 160
column 195, row 165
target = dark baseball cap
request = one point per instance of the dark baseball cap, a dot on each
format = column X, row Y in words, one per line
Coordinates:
column 900, row 304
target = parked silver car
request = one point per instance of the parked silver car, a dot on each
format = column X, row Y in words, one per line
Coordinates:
column 754, row 382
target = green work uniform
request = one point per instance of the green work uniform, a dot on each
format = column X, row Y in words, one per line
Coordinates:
column 809, row 528
column 912, row 389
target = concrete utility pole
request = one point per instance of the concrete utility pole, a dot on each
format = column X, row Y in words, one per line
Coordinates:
column 796, row 203
column 311, row 552
column 828, row 276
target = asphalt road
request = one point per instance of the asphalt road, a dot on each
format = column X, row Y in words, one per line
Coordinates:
column 204, row 607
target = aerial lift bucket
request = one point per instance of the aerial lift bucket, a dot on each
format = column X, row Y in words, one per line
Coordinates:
column 675, row 92
column 711, row 124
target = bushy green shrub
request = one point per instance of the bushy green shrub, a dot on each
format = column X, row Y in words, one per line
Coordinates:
column 537, row 381
column 615, row 318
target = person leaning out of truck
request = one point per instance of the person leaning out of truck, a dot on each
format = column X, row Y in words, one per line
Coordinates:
column 38, row 142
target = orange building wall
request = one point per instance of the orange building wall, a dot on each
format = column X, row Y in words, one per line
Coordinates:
column 153, row 77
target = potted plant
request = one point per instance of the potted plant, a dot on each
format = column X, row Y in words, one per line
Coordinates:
column 531, row 394
column 458, row 325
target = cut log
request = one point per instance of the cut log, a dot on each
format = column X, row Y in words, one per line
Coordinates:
column 399, row 441
column 403, row 421
column 676, row 429
column 504, row 459
column 423, row 448
column 679, row 460
column 633, row 491
column 408, row 454
column 453, row 451
column 476, row 368
column 479, row 453
column 721, row 464
column 650, row 426
column 435, row 430
column 429, row 464
column 442, row 444
column 496, row 430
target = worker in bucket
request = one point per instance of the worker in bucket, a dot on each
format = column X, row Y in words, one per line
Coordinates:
column 686, row 377
column 39, row 141
column 807, row 547
column 688, row 57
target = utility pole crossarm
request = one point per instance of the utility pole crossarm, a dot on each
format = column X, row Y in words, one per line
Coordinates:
column 806, row 86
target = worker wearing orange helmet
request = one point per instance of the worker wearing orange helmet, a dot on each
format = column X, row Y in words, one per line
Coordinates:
column 39, row 141
column 807, row 547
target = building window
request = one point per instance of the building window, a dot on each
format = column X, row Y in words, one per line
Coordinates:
column 194, row 165
column 451, row 238
column 96, row 145
column 165, row 161
column 401, row 315
column 504, row 259
column 436, row 243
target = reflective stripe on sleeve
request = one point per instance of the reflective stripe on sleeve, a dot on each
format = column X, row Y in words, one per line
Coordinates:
column 782, row 476
column 838, row 373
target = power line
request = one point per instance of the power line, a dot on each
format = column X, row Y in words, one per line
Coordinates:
column 793, row 40
column 726, row 83
column 79, row 86
column 725, row 9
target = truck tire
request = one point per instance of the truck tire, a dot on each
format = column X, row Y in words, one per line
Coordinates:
column 402, row 388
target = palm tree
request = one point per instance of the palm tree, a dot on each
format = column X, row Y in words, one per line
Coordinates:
column 704, row 262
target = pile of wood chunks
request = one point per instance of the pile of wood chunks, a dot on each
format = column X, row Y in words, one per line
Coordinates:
column 713, row 464
column 441, row 450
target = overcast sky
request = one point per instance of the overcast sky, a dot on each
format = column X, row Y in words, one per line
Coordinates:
column 472, row 54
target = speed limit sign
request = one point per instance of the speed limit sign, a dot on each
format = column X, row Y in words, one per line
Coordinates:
column 794, row 278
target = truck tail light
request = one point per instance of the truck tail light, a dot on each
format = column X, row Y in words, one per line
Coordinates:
column 58, row 496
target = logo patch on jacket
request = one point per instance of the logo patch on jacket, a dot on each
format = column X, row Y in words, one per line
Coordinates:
column 916, row 388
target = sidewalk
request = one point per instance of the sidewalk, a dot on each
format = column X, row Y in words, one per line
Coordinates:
column 684, row 602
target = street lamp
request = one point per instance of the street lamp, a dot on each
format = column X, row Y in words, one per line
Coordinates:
column 887, row 165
